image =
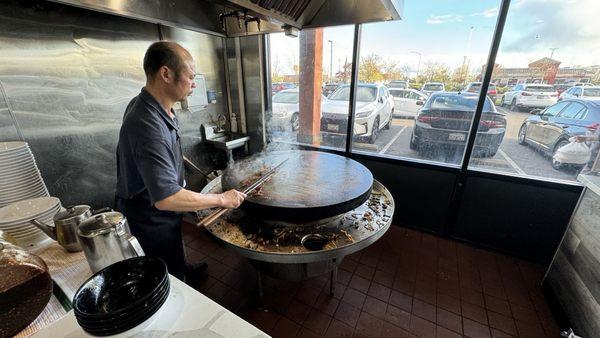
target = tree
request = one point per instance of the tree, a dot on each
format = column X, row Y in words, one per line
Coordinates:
column 391, row 71
column 343, row 76
column 435, row 72
column 370, row 69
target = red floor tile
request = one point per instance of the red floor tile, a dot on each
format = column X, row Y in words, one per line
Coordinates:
column 375, row 307
column 317, row 322
column 337, row 329
column 368, row 326
column 424, row 310
column 347, row 313
column 285, row 328
column 401, row 300
column 474, row 329
column 422, row 327
column 359, row 283
column 379, row 291
column 397, row 317
column 407, row 284
column 502, row 323
column 449, row 320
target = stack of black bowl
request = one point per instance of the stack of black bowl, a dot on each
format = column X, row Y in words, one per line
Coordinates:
column 121, row 296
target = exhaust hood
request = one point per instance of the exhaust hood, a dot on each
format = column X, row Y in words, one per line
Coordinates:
column 245, row 17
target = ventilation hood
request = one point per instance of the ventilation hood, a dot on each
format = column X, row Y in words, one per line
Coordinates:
column 244, row 17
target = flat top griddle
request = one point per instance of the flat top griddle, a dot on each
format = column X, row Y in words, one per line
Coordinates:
column 310, row 185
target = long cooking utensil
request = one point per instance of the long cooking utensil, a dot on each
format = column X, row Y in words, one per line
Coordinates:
column 219, row 212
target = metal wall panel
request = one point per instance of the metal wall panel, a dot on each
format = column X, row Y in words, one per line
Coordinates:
column 253, row 81
column 68, row 75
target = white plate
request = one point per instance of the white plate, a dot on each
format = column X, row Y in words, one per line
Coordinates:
column 23, row 190
column 11, row 173
column 23, row 178
column 10, row 160
column 12, row 146
column 15, row 166
column 16, row 199
column 30, row 186
column 27, row 209
column 46, row 218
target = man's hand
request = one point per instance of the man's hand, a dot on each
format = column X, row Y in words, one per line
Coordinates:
column 232, row 199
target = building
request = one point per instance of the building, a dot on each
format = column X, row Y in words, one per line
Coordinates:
column 544, row 70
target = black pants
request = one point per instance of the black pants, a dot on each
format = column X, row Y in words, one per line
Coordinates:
column 159, row 232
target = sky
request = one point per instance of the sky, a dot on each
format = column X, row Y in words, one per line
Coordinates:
column 455, row 31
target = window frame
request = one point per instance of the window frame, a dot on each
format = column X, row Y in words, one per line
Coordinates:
column 462, row 170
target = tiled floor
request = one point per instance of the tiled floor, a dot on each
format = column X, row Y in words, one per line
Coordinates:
column 407, row 284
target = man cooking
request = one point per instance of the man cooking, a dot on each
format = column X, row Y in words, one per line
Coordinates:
column 150, row 172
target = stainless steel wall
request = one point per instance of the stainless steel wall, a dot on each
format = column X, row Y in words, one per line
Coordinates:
column 68, row 75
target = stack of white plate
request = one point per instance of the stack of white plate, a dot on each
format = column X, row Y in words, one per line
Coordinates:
column 16, row 218
column 20, row 178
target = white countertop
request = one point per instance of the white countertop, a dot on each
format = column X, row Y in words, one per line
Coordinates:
column 185, row 313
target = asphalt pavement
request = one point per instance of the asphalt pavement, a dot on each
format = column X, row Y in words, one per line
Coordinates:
column 511, row 158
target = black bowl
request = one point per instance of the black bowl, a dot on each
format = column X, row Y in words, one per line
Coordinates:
column 128, row 323
column 124, row 317
column 118, row 315
column 120, row 288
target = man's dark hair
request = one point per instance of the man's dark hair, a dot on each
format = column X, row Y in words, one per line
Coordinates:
column 164, row 53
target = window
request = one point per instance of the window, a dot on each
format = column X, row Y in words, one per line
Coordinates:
column 439, row 47
column 542, row 45
column 572, row 111
column 318, row 61
column 555, row 109
column 595, row 92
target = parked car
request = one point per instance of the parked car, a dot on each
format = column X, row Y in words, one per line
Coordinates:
column 475, row 87
column 582, row 92
column 279, row 86
column 432, row 87
column 407, row 102
column 552, row 127
column 329, row 88
column 374, row 111
column 560, row 88
column 285, row 110
column 446, row 117
column 401, row 84
column 530, row 96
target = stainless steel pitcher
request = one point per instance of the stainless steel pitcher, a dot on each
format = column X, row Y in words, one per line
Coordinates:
column 106, row 239
column 66, row 221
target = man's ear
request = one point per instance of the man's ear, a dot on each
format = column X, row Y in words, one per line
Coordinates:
column 166, row 74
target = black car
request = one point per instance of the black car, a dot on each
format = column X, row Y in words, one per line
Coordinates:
column 446, row 117
column 551, row 128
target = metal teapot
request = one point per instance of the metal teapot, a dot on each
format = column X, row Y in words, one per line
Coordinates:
column 66, row 221
column 106, row 239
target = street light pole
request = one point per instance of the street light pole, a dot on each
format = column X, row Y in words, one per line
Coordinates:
column 419, row 64
column 552, row 51
column 330, row 61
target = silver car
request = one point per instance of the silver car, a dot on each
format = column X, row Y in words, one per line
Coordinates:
column 285, row 110
column 405, row 102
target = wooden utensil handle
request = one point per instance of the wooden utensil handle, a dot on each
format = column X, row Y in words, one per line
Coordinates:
column 208, row 220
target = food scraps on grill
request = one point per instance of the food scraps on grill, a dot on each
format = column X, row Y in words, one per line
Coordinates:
column 241, row 230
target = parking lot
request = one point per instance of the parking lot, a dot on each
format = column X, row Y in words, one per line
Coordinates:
column 511, row 158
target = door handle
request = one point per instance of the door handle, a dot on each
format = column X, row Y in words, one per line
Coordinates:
column 565, row 126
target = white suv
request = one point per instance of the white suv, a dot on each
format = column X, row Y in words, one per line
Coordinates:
column 531, row 95
column 374, row 111
column 432, row 87
column 581, row 92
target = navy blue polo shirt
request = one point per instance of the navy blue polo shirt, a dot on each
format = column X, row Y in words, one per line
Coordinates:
column 149, row 156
